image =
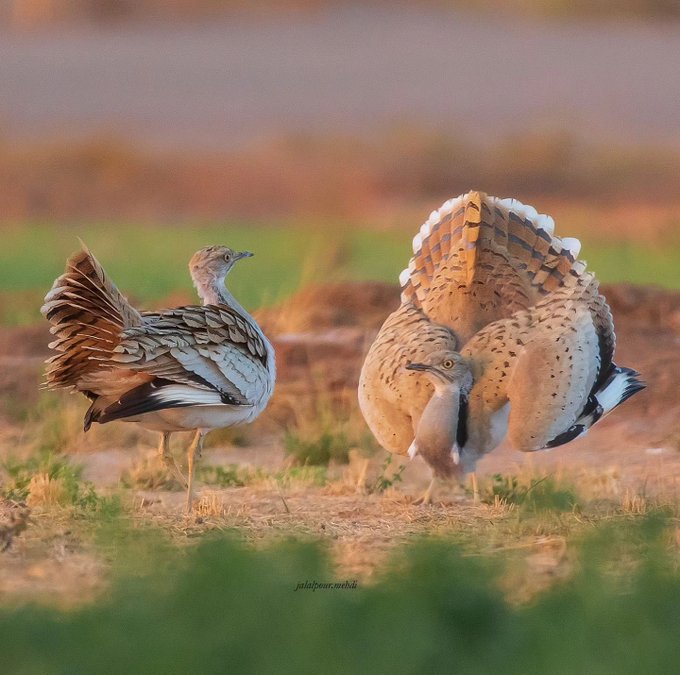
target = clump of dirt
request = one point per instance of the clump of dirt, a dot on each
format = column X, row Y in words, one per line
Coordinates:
column 646, row 306
column 339, row 305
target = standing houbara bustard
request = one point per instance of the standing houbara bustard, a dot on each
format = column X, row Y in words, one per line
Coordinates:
column 199, row 367
column 501, row 331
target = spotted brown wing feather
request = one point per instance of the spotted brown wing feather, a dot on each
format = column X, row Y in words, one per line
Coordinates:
column 553, row 363
column 392, row 398
column 556, row 370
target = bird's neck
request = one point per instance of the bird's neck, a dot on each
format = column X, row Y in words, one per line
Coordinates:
column 212, row 291
column 224, row 297
column 439, row 421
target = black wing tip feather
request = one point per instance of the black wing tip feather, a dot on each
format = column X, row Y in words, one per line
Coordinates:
column 137, row 401
column 635, row 383
column 145, row 399
column 593, row 411
column 90, row 416
column 569, row 435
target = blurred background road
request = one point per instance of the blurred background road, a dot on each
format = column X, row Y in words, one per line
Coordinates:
column 224, row 82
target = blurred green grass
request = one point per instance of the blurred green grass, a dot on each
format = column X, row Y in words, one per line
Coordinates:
column 223, row 607
column 150, row 262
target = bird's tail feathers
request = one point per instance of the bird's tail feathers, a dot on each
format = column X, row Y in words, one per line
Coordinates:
column 475, row 236
column 87, row 313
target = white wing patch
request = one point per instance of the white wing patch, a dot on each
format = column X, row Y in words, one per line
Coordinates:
column 412, row 449
column 187, row 395
column 404, row 276
column 573, row 245
column 455, row 455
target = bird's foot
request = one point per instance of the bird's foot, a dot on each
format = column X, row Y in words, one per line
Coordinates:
column 427, row 495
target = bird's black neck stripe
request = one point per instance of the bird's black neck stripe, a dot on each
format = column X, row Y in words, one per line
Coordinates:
column 462, row 430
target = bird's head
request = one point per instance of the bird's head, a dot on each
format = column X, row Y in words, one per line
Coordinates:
column 215, row 262
column 445, row 367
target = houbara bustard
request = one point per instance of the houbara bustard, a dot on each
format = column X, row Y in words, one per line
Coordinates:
column 501, row 331
column 199, row 367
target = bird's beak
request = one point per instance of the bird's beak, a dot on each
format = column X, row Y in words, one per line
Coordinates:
column 243, row 254
column 418, row 366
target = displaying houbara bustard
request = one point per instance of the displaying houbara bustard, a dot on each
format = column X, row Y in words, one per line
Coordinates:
column 199, row 367
column 501, row 332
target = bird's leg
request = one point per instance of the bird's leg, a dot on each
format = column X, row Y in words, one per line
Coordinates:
column 193, row 455
column 168, row 460
column 475, row 487
column 427, row 495
column 361, row 480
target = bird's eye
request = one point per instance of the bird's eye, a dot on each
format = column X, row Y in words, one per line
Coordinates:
column 227, row 257
column 448, row 364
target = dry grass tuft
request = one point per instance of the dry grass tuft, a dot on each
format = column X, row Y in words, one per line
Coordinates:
column 326, row 426
column 209, row 505
column 634, row 503
column 149, row 473
column 47, row 492
column 56, row 425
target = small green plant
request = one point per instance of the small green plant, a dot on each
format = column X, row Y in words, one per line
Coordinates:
column 32, row 478
column 222, row 476
column 318, row 451
column 149, row 473
column 20, row 474
column 325, row 427
column 385, row 481
column 505, row 489
column 542, row 494
column 233, row 475
column 305, row 475
column 239, row 437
